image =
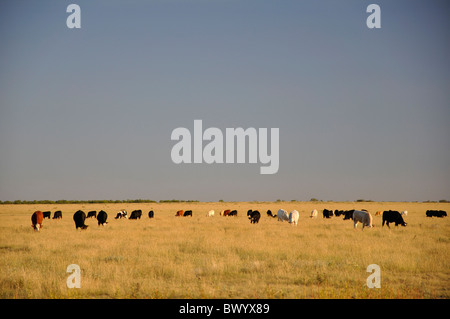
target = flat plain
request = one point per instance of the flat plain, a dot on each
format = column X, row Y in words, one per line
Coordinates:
column 224, row 257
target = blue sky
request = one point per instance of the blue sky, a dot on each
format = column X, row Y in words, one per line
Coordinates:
column 88, row 113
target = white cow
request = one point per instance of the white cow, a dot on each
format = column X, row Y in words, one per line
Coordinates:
column 210, row 213
column 293, row 217
column 362, row 217
column 282, row 215
column 314, row 213
column 405, row 212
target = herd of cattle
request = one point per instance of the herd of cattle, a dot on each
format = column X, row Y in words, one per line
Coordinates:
column 358, row 216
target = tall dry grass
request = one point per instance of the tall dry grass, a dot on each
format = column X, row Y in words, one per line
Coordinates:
column 223, row 257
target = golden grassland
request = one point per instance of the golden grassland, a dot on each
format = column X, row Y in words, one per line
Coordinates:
column 224, row 257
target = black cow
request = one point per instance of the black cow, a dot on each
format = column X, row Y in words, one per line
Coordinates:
column 79, row 218
column 327, row 213
column 348, row 214
column 233, row 213
column 151, row 214
column 254, row 216
column 269, row 213
column 392, row 216
column 92, row 213
column 101, row 218
column 436, row 213
column 338, row 213
column 135, row 214
column 187, row 213
column 57, row 214
column 47, row 214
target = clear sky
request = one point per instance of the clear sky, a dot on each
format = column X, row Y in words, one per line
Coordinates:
column 88, row 113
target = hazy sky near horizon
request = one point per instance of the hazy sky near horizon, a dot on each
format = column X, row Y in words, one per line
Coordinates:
column 88, row 113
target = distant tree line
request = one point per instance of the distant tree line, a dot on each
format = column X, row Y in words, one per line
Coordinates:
column 95, row 201
column 361, row 201
column 440, row 201
column 125, row 201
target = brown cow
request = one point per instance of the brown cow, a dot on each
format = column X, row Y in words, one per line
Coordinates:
column 37, row 219
column 179, row 213
column 225, row 212
column 379, row 213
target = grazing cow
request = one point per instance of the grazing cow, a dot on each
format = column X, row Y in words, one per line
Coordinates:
column 92, row 213
column 210, row 213
column 101, row 218
column 47, row 214
column 233, row 213
column 362, row 217
column 187, row 213
column 327, row 213
column 436, row 213
column 151, row 214
column 179, row 213
column 269, row 213
column 225, row 212
column 282, row 215
column 314, row 213
column 79, row 218
column 121, row 214
column 57, row 214
column 293, row 217
column 135, row 214
column 379, row 213
column 338, row 213
column 348, row 214
column 392, row 216
column 36, row 219
column 254, row 216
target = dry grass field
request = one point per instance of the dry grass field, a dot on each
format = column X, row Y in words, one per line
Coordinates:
column 224, row 257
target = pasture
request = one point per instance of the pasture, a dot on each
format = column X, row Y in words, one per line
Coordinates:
column 224, row 257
